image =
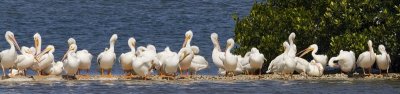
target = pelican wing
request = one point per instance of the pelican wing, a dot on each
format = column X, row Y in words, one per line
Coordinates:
column 20, row 58
column 99, row 57
column 360, row 58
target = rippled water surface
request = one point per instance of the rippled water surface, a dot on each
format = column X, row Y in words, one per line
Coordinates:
column 158, row 22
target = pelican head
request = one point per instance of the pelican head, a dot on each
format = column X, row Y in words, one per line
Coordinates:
column 72, row 48
column 195, row 49
column 291, row 37
column 25, row 50
column 38, row 42
column 214, row 38
column 71, row 41
column 151, row 47
column 49, row 49
column 369, row 43
column 229, row 43
column 188, row 38
column 309, row 49
column 382, row 48
column 113, row 38
column 132, row 42
column 11, row 39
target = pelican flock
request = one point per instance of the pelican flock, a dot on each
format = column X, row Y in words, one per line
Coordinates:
column 144, row 61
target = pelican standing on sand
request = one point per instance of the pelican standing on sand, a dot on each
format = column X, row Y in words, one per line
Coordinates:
column 346, row 61
column 230, row 60
column 85, row 58
column 25, row 60
column 145, row 60
column 72, row 61
column 45, row 59
column 256, row 59
column 323, row 59
column 198, row 62
column 107, row 58
column 169, row 62
column 186, row 54
column 217, row 53
column 275, row 66
column 9, row 56
column 367, row 59
column 383, row 60
column 127, row 58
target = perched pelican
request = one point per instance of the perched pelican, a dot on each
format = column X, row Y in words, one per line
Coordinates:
column 383, row 60
column 275, row 64
column 25, row 60
column 56, row 68
column 45, row 59
column 315, row 69
column 9, row 56
column 301, row 66
column 244, row 64
column 367, row 59
column 230, row 60
column 198, row 62
column 169, row 62
column 107, row 58
column 126, row 58
column 38, row 43
column 256, row 59
column 217, row 53
column 84, row 57
column 346, row 61
column 186, row 54
column 72, row 61
column 144, row 61
column 323, row 59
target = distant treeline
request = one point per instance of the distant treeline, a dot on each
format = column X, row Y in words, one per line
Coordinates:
column 333, row 25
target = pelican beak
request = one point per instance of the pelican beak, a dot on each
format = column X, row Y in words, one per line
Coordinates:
column 185, row 42
column 65, row 55
column 41, row 54
column 36, row 41
column 305, row 51
column 15, row 43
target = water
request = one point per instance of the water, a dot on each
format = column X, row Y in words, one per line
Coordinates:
column 158, row 22
column 332, row 86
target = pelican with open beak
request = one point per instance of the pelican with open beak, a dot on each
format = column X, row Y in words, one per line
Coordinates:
column 9, row 56
column 323, row 59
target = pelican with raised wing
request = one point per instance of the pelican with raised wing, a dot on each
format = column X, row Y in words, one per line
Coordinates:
column 107, row 58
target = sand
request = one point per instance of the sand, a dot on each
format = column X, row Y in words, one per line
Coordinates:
column 390, row 76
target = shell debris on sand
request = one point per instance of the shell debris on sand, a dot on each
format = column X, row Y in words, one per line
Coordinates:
column 390, row 76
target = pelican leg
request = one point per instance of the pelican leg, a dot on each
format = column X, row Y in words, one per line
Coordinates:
column 363, row 71
column 87, row 72
column 109, row 73
column 259, row 72
column 38, row 73
column 4, row 72
column 78, row 72
column 101, row 71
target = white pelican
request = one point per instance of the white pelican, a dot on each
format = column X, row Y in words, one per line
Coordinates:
column 244, row 64
column 367, row 59
column 169, row 62
column 289, row 64
column 144, row 61
column 346, row 61
column 230, row 60
column 217, row 53
column 383, row 60
column 126, row 58
column 45, row 59
column 198, row 62
column 275, row 64
column 186, row 54
column 323, row 59
column 84, row 57
column 56, row 68
column 9, row 56
column 301, row 66
column 256, row 59
column 315, row 69
column 25, row 60
column 72, row 61
column 107, row 58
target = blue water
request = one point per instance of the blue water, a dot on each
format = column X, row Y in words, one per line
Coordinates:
column 158, row 22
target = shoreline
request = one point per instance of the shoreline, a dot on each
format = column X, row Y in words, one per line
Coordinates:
column 390, row 76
